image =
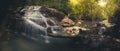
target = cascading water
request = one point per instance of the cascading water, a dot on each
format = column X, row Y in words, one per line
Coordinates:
column 35, row 19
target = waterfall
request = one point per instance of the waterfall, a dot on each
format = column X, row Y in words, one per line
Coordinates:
column 36, row 20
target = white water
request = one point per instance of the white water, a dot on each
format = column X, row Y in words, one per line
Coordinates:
column 102, row 30
column 36, row 15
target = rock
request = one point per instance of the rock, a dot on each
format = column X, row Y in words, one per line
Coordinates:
column 72, row 31
column 67, row 22
column 107, row 23
column 51, row 12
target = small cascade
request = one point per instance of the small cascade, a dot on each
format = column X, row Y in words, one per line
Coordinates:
column 34, row 19
column 46, row 34
column 101, row 30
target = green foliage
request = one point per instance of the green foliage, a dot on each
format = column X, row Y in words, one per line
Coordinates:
column 102, row 9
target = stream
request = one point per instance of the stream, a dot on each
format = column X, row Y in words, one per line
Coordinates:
column 31, row 34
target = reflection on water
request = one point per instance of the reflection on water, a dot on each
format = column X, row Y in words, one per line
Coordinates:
column 24, row 44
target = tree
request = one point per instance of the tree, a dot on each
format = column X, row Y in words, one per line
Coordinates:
column 93, row 9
